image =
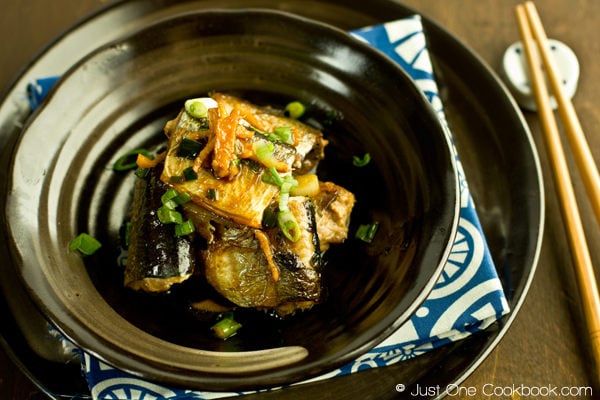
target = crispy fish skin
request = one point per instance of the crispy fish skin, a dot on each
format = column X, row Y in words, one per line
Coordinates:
column 236, row 266
column 157, row 259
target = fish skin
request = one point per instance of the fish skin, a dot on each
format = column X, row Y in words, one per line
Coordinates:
column 157, row 259
column 237, row 268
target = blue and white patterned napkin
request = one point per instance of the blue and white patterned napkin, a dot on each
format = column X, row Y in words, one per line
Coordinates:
column 467, row 298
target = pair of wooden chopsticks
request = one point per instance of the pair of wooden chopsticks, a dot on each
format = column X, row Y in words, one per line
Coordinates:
column 534, row 38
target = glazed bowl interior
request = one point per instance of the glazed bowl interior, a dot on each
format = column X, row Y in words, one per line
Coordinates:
column 119, row 98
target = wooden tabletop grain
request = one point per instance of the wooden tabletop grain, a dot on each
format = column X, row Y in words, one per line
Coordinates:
column 545, row 346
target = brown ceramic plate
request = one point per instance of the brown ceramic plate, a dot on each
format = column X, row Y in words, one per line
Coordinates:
column 493, row 147
column 120, row 96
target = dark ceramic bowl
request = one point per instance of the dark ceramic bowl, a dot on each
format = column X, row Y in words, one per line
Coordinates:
column 119, row 97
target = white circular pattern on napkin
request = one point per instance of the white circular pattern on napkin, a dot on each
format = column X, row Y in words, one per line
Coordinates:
column 464, row 261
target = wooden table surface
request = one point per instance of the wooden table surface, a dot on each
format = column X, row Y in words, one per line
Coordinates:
column 545, row 347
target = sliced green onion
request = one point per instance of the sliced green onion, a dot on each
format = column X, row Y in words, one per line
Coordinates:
column 282, row 134
column 126, row 233
column 288, row 184
column 295, row 109
column 288, row 225
column 189, row 148
column 168, row 196
column 268, row 178
column 226, row 327
column 366, row 232
column 128, row 160
column 189, row 174
column 184, row 228
column 211, row 194
column 361, row 161
column 169, row 216
column 182, row 198
column 167, row 199
column 284, row 194
column 167, row 213
column 264, row 151
column 85, row 244
column 272, row 177
column 285, row 219
column 283, row 201
column 171, row 205
column 196, row 108
column 255, row 129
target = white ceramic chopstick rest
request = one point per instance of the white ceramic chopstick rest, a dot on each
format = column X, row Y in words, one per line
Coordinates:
column 516, row 72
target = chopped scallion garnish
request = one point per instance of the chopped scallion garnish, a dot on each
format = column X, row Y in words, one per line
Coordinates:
column 272, row 177
column 129, row 160
column 211, row 194
column 182, row 198
column 366, row 232
column 226, row 327
column 286, row 220
column 171, row 205
column 288, row 184
column 295, row 109
column 361, row 161
column 126, row 233
column 284, row 198
column 264, row 151
column 189, row 174
column 185, row 228
column 253, row 128
column 288, row 225
column 168, row 196
column 189, row 148
column 196, row 108
column 168, row 215
column 85, row 244
column 282, row 134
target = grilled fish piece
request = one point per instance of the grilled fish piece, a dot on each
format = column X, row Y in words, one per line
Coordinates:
column 237, row 264
column 333, row 205
column 156, row 259
column 241, row 195
column 250, row 265
column 242, row 199
column 308, row 142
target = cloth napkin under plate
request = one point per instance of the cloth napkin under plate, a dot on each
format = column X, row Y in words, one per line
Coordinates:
column 467, row 298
